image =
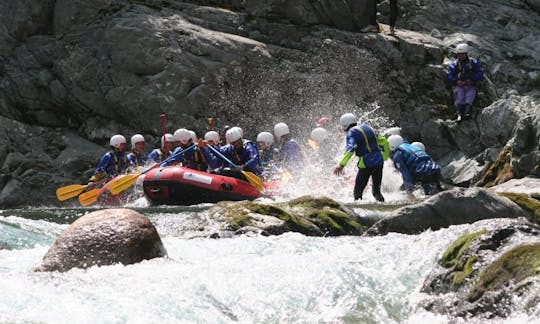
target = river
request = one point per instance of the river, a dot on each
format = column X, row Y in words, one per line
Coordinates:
column 289, row 278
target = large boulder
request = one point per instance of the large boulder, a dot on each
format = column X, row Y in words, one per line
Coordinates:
column 104, row 237
column 452, row 207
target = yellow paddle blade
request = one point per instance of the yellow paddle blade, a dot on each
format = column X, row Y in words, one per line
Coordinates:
column 89, row 197
column 313, row 145
column 254, row 180
column 70, row 191
column 285, row 177
column 118, row 185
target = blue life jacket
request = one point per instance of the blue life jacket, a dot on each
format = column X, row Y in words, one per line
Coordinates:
column 290, row 154
column 367, row 146
column 417, row 161
column 156, row 155
column 268, row 156
column 245, row 155
column 136, row 159
column 468, row 69
column 192, row 159
column 112, row 163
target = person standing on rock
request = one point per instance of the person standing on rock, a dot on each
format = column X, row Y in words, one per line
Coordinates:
column 113, row 162
column 393, row 16
column 372, row 150
column 464, row 74
column 415, row 164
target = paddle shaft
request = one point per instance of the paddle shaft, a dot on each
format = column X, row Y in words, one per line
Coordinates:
column 163, row 127
column 251, row 177
column 171, row 157
column 222, row 156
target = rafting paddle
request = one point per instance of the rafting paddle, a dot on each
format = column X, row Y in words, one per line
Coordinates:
column 123, row 183
column 251, row 177
column 71, row 191
column 67, row 192
column 89, row 197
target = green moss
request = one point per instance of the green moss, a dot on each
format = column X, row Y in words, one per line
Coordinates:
column 452, row 256
column 295, row 223
column 529, row 204
column 327, row 214
column 334, row 222
column 513, row 266
column 238, row 220
column 313, row 202
column 499, row 171
column 460, row 276
column 266, row 210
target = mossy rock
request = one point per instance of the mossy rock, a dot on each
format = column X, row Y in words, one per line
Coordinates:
column 330, row 216
column 499, row 171
column 307, row 215
column 294, row 222
column 514, row 266
column 271, row 219
column 456, row 257
column 524, row 201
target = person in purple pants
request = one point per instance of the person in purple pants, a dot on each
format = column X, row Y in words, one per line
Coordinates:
column 464, row 74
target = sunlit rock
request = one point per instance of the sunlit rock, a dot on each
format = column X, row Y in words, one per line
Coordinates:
column 488, row 272
column 530, row 204
column 452, row 207
column 314, row 216
column 104, row 237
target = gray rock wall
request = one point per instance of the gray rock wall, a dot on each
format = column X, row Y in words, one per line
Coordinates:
column 95, row 69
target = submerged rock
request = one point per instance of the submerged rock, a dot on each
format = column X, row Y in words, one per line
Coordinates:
column 313, row 216
column 102, row 238
column 4, row 246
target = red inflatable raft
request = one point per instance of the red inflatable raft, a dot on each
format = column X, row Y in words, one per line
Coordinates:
column 175, row 185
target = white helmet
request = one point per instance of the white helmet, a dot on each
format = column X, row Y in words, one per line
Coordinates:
column 169, row 138
column 265, row 137
column 419, row 145
column 136, row 139
column 182, row 135
column 281, row 129
column 346, row 120
column 240, row 130
column 233, row 134
column 116, row 140
column 212, row 136
column 462, row 48
column 392, row 131
column 395, row 141
column 194, row 137
column 319, row 134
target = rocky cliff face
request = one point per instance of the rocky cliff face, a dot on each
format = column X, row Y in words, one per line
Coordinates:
column 74, row 73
